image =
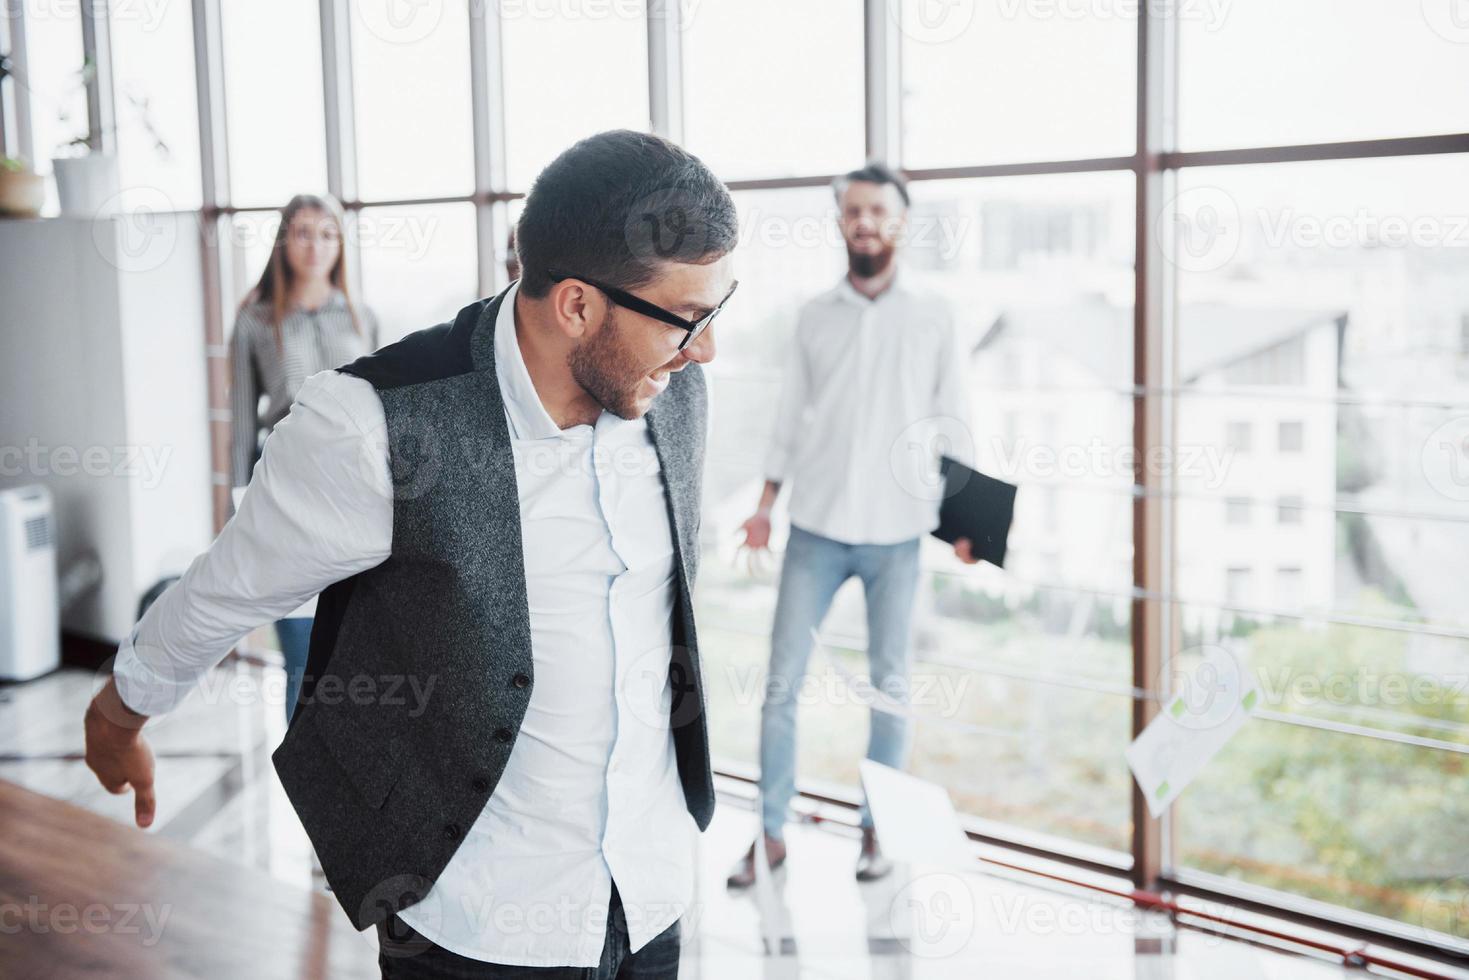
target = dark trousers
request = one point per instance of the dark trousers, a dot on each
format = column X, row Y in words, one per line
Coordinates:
column 403, row 954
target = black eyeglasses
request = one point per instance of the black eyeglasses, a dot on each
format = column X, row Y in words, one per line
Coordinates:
column 638, row 305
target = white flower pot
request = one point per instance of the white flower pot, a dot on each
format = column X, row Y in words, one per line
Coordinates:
column 86, row 186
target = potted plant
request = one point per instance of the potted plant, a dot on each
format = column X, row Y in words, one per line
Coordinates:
column 86, row 178
column 22, row 190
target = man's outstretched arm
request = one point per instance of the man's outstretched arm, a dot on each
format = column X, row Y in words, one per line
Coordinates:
column 318, row 510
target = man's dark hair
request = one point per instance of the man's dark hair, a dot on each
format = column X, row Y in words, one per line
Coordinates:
column 617, row 207
column 873, row 173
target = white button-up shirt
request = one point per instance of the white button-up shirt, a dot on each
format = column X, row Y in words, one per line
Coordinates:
column 874, row 393
column 591, row 789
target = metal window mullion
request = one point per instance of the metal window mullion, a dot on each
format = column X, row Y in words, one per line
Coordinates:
column 665, row 68
column 20, row 63
column 882, row 59
column 9, row 88
column 340, row 121
column 214, row 186
column 1152, row 622
column 487, row 103
column 101, row 99
column 337, row 104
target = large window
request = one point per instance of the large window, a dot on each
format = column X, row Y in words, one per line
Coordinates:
column 1326, row 314
column 782, row 102
column 599, row 82
column 157, row 114
column 272, row 100
column 1255, row 72
column 411, row 92
column 1011, row 82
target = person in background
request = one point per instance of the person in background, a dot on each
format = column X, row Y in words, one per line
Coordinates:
column 298, row 320
column 875, row 363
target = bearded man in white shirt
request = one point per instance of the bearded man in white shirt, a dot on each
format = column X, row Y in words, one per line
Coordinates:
column 874, row 378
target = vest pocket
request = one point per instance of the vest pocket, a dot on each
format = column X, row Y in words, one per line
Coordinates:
column 371, row 763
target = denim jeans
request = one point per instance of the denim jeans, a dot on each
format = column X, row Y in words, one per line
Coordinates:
column 814, row 568
column 295, row 639
column 404, row 954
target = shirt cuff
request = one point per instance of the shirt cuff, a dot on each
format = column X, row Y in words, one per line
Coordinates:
column 777, row 459
column 141, row 687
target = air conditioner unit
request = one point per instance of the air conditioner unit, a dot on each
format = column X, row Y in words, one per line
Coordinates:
column 30, row 619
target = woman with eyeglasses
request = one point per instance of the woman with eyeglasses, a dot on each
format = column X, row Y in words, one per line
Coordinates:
column 298, row 320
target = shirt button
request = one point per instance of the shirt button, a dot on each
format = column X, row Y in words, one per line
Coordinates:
column 504, row 734
column 451, row 831
column 520, row 680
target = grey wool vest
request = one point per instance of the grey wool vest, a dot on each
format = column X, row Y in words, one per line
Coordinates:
column 420, row 668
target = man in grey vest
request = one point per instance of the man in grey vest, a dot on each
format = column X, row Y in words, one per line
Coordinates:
column 500, row 751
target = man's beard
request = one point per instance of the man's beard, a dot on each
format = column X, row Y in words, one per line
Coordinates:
column 606, row 372
column 865, row 266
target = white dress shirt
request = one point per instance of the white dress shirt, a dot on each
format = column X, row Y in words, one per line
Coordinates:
column 874, row 393
column 591, row 789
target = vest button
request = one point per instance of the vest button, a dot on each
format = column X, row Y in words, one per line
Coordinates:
column 504, row 734
column 451, row 831
column 480, row 784
column 520, row 680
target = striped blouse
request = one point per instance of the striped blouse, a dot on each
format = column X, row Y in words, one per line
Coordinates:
column 312, row 341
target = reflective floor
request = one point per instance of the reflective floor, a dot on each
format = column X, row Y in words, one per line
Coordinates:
column 218, row 793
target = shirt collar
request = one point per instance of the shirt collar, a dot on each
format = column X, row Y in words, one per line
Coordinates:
column 846, row 292
column 524, row 413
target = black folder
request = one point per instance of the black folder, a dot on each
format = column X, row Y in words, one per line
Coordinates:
column 976, row 507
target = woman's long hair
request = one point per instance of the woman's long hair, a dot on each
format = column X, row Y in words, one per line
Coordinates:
column 274, row 287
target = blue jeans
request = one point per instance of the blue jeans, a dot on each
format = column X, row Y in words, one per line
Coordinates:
column 295, row 639
column 814, row 568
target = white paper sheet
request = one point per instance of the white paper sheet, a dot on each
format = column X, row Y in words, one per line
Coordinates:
column 915, row 819
column 1212, row 704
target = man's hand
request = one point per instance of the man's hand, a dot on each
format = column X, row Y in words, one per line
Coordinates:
column 757, row 530
column 117, row 751
column 963, row 551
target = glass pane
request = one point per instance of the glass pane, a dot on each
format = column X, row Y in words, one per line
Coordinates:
column 273, row 111
column 600, row 80
column 157, row 107
column 1321, row 320
column 1374, row 826
column 774, row 89
column 415, row 131
column 1038, row 271
column 1253, row 72
column 1323, row 388
column 419, row 264
column 57, row 95
column 1001, row 83
column 252, row 233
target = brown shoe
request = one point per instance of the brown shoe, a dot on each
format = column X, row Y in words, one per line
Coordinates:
column 872, row 864
column 743, row 875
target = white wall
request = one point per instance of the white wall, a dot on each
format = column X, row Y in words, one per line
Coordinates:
column 102, row 366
